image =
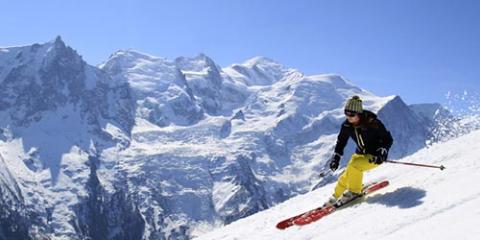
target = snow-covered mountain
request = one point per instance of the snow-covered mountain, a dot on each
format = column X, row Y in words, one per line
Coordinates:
column 57, row 114
column 168, row 148
column 419, row 203
column 442, row 124
column 431, row 112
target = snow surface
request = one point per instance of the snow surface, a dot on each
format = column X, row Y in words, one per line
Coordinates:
column 420, row 203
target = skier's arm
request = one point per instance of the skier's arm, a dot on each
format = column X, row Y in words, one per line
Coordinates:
column 386, row 139
column 342, row 140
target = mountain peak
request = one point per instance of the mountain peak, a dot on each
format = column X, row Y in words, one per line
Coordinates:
column 37, row 54
column 132, row 53
column 260, row 60
column 129, row 57
column 58, row 40
column 197, row 63
column 56, row 43
column 202, row 56
column 257, row 71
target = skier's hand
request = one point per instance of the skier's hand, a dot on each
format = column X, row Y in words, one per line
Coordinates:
column 334, row 161
column 380, row 156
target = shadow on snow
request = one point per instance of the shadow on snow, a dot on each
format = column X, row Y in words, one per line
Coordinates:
column 404, row 197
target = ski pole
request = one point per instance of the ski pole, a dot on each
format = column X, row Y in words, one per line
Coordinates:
column 416, row 164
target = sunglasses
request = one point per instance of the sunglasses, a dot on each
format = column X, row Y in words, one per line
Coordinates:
column 350, row 114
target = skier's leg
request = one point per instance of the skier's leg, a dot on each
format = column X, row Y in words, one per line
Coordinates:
column 341, row 185
column 344, row 179
column 357, row 165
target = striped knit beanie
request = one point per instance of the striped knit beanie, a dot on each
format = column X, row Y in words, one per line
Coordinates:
column 354, row 104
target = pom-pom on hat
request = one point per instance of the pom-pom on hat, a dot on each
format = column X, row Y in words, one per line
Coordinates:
column 354, row 104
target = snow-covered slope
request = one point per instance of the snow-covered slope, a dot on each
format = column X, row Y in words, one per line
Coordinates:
column 420, row 203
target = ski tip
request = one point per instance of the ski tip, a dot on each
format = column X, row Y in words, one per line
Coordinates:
column 281, row 226
column 384, row 183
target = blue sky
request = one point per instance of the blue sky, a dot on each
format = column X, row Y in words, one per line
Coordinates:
column 416, row 49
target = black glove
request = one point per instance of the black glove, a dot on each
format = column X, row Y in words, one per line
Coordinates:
column 380, row 156
column 335, row 161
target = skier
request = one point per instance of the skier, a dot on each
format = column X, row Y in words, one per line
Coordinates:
column 373, row 142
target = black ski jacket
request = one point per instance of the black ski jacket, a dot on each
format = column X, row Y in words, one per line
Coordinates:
column 369, row 135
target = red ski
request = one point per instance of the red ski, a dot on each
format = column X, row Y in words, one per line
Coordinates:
column 317, row 213
column 322, row 212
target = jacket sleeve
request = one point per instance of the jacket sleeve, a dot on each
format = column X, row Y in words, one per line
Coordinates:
column 385, row 137
column 342, row 140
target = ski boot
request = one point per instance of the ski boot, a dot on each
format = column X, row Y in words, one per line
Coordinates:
column 330, row 202
column 347, row 197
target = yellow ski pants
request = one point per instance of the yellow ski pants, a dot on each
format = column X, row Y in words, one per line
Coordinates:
column 352, row 177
